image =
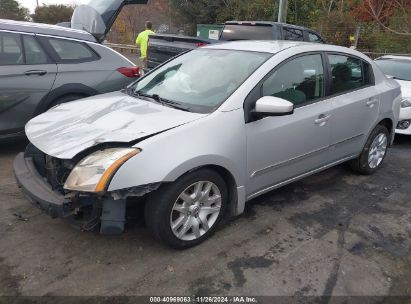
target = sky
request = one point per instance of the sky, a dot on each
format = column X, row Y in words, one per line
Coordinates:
column 31, row 4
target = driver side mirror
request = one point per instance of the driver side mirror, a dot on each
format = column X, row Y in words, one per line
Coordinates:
column 273, row 106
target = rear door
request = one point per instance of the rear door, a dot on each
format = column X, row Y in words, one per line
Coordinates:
column 26, row 77
column 356, row 103
column 80, row 66
column 98, row 16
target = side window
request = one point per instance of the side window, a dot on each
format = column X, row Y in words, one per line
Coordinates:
column 68, row 50
column 33, row 51
column 10, row 49
column 347, row 73
column 299, row 81
column 293, row 34
column 314, row 38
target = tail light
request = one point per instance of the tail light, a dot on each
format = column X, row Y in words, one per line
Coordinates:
column 200, row 44
column 129, row 72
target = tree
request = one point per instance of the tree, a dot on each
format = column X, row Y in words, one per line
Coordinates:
column 132, row 18
column 189, row 13
column 11, row 9
column 53, row 14
column 392, row 15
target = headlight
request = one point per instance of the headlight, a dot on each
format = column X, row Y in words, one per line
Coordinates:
column 406, row 103
column 94, row 172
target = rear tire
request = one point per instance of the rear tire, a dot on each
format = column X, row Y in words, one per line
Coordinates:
column 373, row 155
column 186, row 212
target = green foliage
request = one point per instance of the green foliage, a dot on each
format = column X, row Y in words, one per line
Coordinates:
column 11, row 9
column 247, row 10
column 336, row 27
column 335, row 20
column 189, row 13
column 53, row 14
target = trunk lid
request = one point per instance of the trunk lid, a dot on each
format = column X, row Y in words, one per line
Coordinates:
column 98, row 16
column 71, row 128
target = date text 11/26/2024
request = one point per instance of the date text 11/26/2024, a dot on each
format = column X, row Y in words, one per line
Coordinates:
column 203, row 299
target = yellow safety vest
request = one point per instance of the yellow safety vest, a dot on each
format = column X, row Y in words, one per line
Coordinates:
column 142, row 42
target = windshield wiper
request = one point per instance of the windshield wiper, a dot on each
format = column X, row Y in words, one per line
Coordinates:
column 163, row 101
column 398, row 78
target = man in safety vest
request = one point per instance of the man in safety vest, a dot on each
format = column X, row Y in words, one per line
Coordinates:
column 142, row 42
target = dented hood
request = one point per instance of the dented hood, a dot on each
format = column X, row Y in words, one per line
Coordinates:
column 70, row 128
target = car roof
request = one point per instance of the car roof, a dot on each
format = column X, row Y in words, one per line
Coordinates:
column 394, row 57
column 276, row 46
column 45, row 29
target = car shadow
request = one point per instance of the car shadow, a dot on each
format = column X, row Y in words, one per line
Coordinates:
column 403, row 140
column 14, row 146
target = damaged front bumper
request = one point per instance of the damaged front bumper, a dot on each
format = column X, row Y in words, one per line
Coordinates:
column 82, row 210
column 37, row 190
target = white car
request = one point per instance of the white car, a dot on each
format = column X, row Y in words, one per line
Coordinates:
column 399, row 68
column 209, row 130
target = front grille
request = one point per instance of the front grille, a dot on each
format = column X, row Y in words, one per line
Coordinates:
column 54, row 170
column 56, row 173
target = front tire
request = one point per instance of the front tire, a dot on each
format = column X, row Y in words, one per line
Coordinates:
column 186, row 212
column 374, row 152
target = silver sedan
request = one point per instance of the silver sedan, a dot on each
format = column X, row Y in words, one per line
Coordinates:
column 199, row 136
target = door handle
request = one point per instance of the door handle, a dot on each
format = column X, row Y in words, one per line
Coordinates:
column 35, row 72
column 322, row 119
column 371, row 103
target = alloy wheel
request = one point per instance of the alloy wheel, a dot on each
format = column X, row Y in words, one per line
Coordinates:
column 196, row 210
column 377, row 150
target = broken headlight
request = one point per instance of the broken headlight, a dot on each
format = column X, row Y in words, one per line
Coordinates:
column 94, row 172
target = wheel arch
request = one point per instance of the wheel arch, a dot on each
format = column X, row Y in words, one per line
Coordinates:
column 388, row 123
column 225, row 169
column 230, row 182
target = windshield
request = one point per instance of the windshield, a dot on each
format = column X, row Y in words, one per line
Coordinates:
column 200, row 80
column 399, row 69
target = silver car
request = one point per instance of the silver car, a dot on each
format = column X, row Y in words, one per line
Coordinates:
column 198, row 137
column 43, row 65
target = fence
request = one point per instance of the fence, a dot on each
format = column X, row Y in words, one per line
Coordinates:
column 123, row 47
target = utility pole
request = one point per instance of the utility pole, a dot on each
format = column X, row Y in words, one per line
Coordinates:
column 37, row 3
column 282, row 11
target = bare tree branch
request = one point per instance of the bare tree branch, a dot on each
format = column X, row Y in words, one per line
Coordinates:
column 376, row 12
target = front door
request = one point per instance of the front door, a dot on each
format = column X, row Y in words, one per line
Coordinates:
column 285, row 147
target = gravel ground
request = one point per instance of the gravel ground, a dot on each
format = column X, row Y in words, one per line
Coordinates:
column 334, row 233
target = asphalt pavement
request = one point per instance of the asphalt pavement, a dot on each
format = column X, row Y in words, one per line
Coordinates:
column 334, row 233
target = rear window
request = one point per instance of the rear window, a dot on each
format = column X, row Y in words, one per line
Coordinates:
column 34, row 53
column 247, row 32
column 348, row 73
column 293, row 34
column 10, row 49
column 68, row 50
